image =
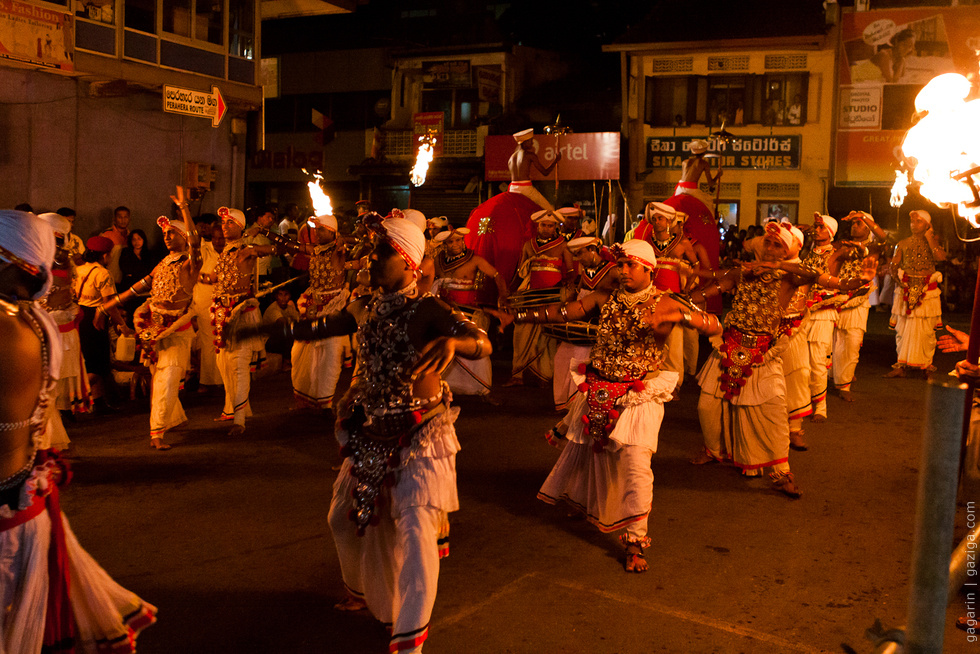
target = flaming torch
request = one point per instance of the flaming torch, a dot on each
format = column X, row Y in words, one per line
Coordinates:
column 424, row 158
column 320, row 200
column 941, row 155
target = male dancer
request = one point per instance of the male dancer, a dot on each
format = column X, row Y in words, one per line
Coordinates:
column 397, row 484
column 163, row 323
column 520, row 163
column 614, row 424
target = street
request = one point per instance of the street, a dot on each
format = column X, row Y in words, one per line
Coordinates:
column 229, row 538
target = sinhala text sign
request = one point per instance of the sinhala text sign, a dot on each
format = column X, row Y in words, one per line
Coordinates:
column 746, row 152
column 189, row 102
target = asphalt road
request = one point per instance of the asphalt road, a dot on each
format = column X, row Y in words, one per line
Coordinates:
column 229, row 538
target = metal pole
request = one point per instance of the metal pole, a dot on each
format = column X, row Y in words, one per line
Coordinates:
column 935, row 514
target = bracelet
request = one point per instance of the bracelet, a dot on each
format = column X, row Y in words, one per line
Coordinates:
column 480, row 347
column 686, row 318
column 521, row 315
column 563, row 310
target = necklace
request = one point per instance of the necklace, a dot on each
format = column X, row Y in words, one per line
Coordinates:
column 455, row 257
column 663, row 245
column 639, row 297
column 386, row 303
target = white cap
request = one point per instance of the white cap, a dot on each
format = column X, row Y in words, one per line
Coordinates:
column 28, row 242
column 659, row 208
column 438, row 221
column 830, row 222
column 444, row 236
column 545, row 214
column 327, row 220
column 524, row 135
column 924, row 215
column 571, row 211
column 413, row 216
column 583, row 242
column 699, row 146
column 790, row 235
column 588, row 226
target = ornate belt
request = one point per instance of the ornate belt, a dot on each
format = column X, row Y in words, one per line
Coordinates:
column 601, row 397
column 741, row 351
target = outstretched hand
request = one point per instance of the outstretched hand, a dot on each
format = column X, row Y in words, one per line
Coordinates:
column 181, row 197
column 954, row 341
column 505, row 317
column 435, row 356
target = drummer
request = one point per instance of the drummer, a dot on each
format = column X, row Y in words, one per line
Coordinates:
column 597, row 272
column 571, row 225
column 546, row 262
column 460, row 274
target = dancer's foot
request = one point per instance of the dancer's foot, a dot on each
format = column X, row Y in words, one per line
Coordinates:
column 896, row 372
column 845, row 395
column 816, row 417
column 703, row 458
column 785, row 483
column 351, row 604
column 513, row 381
column 236, row 430
column 158, row 444
column 635, row 561
column 796, row 441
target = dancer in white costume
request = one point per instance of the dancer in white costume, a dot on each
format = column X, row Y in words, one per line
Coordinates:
column 520, row 163
column 397, row 484
column 614, row 424
column 916, row 311
column 316, row 364
column 42, row 611
column 163, row 323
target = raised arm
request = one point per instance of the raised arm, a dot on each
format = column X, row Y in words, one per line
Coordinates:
column 502, row 291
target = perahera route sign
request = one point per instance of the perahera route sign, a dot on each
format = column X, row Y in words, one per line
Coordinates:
column 195, row 103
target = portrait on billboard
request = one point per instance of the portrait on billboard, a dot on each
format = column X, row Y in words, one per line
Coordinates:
column 891, row 53
column 768, row 210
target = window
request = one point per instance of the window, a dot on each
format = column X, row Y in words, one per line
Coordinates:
column 195, row 19
column 241, row 28
column 772, row 99
column 141, row 15
column 460, row 106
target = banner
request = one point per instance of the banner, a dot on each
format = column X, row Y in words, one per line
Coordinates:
column 740, row 152
column 590, row 155
column 32, row 34
column 887, row 56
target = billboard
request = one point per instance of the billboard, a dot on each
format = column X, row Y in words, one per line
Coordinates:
column 586, row 156
column 35, row 35
column 740, row 152
column 887, row 56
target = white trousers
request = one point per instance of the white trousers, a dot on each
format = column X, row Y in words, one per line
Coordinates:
column 848, row 338
column 316, row 369
column 173, row 360
column 820, row 336
column 235, row 369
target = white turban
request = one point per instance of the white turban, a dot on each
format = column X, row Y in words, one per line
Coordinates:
column 659, row 208
column 165, row 224
column 326, row 220
column 413, row 216
column 831, row 224
column 924, row 215
column 588, row 227
column 438, row 221
column 570, row 212
column 637, row 250
column 791, row 236
column 28, row 242
column 59, row 223
column 234, row 214
column 407, row 239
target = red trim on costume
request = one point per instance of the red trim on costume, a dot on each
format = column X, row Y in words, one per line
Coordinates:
column 756, row 466
column 71, row 325
column 402, row 642
column 687, row 185
column 523, row 182
column 593, row 520
column 741, row 352
column 404, row 255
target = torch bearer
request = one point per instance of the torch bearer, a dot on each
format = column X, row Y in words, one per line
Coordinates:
column 557, row 130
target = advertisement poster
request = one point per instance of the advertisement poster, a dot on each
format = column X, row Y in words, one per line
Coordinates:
column 36, row 35
column 887, row 57
column 589, row 155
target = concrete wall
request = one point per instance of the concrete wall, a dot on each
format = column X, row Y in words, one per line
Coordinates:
column 60, row 147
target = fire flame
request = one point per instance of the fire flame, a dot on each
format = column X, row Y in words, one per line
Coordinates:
column 320, row 200
column 422, row 161
column 944, row 144
column 899, row 189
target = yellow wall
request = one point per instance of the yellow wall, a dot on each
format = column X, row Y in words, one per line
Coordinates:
column 813, row 174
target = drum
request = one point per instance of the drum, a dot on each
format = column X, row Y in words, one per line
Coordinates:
column 535, row 297
column 477, row 315
column 576, row 332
